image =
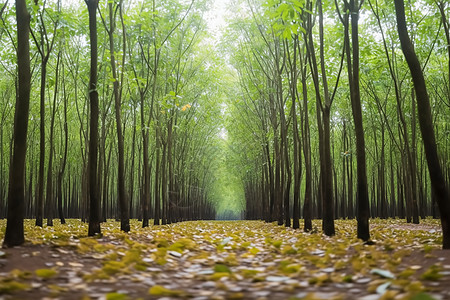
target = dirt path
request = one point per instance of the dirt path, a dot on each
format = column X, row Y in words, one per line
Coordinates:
column 227, row 260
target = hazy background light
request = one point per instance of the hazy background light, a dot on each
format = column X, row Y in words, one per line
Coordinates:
column 216, row 16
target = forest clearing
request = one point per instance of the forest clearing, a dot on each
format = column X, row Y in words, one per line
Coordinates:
column 227, row 260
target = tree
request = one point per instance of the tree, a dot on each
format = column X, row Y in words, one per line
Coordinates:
column 14, row 234
column 63, row 162
column 352, row 8
column 323, row 111
column 49, row 194
column 438, row 182
column 45, row 47
column 118, row 88
column 94, row 211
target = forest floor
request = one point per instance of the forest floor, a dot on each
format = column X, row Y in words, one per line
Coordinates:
column 226, row 260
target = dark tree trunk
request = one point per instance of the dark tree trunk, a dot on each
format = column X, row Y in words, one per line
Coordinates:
column 94, row 205
column 442, row 8
column 64, row 159
column 40, row 196
column 426, row 124
column 307, row 204
column 145, row 168
column 132, row 172
column 363, row 211
column 124, row 214
column 44, row 47
column 296, row 141
column 157, row 177
column 413, row 167
column 163, row 183
column 363, row 197
column 14, row 234
column 50, row 195
column 328, row 201
column 323, row 122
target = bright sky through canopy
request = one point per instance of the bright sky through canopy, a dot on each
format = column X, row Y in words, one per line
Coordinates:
column 215, row 18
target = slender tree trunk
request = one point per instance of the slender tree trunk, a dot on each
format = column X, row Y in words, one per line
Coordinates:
column 124, row 213
column 40, row 197
column 145, row 168
column 170, row 175
column 132, row 172
column 413, row 170
column 362, row 189
column 50, row 194
column 14, row 234
column 307, row 204
column 426, row 124
column 296, row 142
column 157, row 186
column 345, row 156
column 442, row 7
column 94, row 211
column 64, row 159
column 323, row 122
column 164, row 184
column 328, row 201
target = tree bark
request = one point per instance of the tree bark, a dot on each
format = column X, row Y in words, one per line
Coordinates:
column 49, row 196
column 14, row 234
column 362, row 191
column 352, row 54
column 124, row 214
column 94, row 205
column 426, row 124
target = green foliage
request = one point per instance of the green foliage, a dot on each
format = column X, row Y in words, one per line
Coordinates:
column 286, row 16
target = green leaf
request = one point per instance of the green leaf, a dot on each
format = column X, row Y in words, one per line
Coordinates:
column 220, row 268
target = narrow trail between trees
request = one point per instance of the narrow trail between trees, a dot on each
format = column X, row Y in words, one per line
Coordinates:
column 226, row 260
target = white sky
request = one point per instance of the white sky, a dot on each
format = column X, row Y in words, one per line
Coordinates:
column 216, row 18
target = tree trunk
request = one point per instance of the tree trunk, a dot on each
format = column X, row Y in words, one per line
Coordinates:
column 14, row 234
column 40, row 197
column 157, row 177
column 124, row 214
column 49, row 195
column 94, row 205
column 353, row 70
column 64, row 159
column 307, row 204
column 426, row 124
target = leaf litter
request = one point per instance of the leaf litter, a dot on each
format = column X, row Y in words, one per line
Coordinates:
column 226, row 260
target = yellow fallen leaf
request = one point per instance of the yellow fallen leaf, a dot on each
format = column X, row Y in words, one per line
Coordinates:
column 12, row 286
column 46, row 273
column 159, row 290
